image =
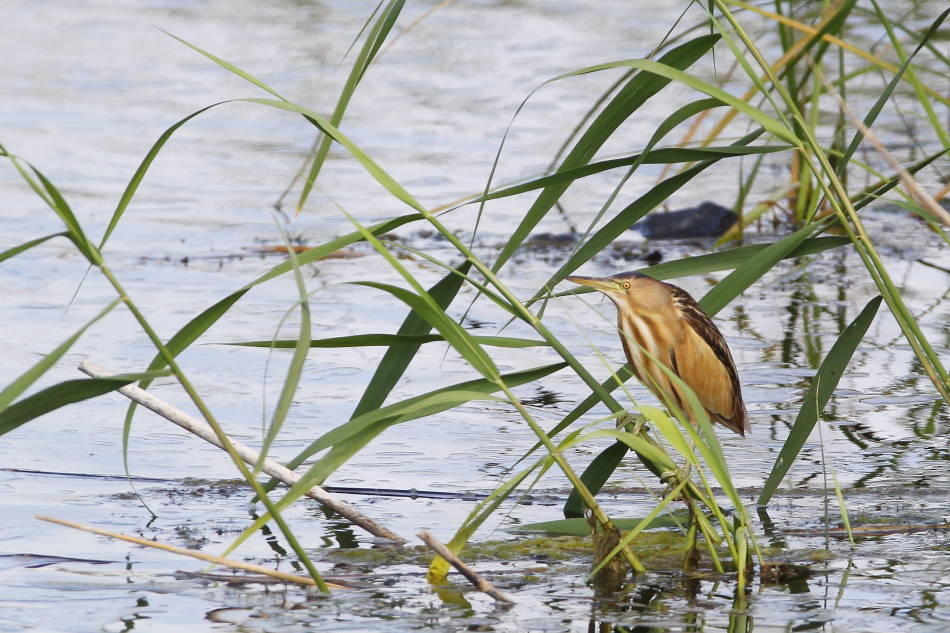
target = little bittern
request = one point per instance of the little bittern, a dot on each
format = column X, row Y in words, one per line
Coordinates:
column 668, row 323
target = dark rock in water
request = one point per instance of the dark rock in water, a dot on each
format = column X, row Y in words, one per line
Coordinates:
column 706, row 220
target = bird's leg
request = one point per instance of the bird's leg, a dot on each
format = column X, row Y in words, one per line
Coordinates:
column 673, row 478
column 691, row 554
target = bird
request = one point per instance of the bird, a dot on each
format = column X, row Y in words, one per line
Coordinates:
column 666, row 321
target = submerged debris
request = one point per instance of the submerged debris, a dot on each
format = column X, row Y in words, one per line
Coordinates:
column 705, row 220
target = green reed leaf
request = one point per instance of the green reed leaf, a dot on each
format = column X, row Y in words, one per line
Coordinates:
column 16, row 250
column 394, row 363
column 628, row 215
column 64, row 393
column 628, row 100
column 374, row 40
column 417, row 407
column 822, row 386
column 460, row 340
column 740, row 279
column 594, row 477
column 350, row 437
column 21, row 384
column 881, row 101
column 662, row 156
column 295, row 367
column 439, row 568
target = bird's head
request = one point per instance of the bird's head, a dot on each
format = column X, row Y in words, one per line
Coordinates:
column 629, row 289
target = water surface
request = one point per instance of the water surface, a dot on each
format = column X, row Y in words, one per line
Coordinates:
column 89, row 86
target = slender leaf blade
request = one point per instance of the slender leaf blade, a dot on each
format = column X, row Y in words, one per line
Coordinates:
column 62, row 394
column 634, row 94
column 394, row 363
column 823, row 385
column 21, row 384
column 16, row 250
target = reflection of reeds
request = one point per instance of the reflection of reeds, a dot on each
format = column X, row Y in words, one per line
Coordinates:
column 816, row 196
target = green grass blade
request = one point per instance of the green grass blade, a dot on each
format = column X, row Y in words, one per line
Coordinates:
column 656, row 455
column 877, row 191
column 454, row 334
column 349, row 438
column 774, row 127
column 829, row 373
column 594, row 477
column 62, row 394
column 142, row 169
column 889, row 89
column 227, row 66
column 63, row 210
column 201, row 323
column 377, row 172
column 736, row 257
column 423, row 304
column 439, row 568
column 645, row 523
column 626, row 217
column 295, row 368
column 404, row 345
column 416, row 407
column 373, row 169
column 377, row 35
column 394, row 363
column 661, row 156
column 739, row 280
column 21, row 384
column 360, row 431
column 916, row 209
column 634, row 94
column 16, row 250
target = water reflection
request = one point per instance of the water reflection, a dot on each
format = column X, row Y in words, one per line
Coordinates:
column 664, row 604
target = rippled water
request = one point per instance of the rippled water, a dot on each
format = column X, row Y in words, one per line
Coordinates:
column 89, row 86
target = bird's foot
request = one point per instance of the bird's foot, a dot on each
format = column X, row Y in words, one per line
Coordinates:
column 675, row 476
column 632, row 423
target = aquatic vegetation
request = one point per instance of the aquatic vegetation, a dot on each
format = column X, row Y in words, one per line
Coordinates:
column 781, row 115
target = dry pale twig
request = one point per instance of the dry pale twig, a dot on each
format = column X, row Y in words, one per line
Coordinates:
column 483, row 585
column 211, row 558
column 249, row 455
column 920, row 196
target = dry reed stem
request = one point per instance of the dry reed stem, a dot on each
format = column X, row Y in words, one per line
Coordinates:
column 919, row 195
column 249, row 455
column 480, row 583
column 211, row 558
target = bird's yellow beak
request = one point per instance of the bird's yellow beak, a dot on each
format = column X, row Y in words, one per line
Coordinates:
column 603, row 284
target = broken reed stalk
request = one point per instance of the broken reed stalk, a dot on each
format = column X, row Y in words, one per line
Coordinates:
column 483, row 585
column 249, row 455
column 211, row 558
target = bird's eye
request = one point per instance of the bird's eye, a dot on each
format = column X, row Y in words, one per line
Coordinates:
column 625, row 285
